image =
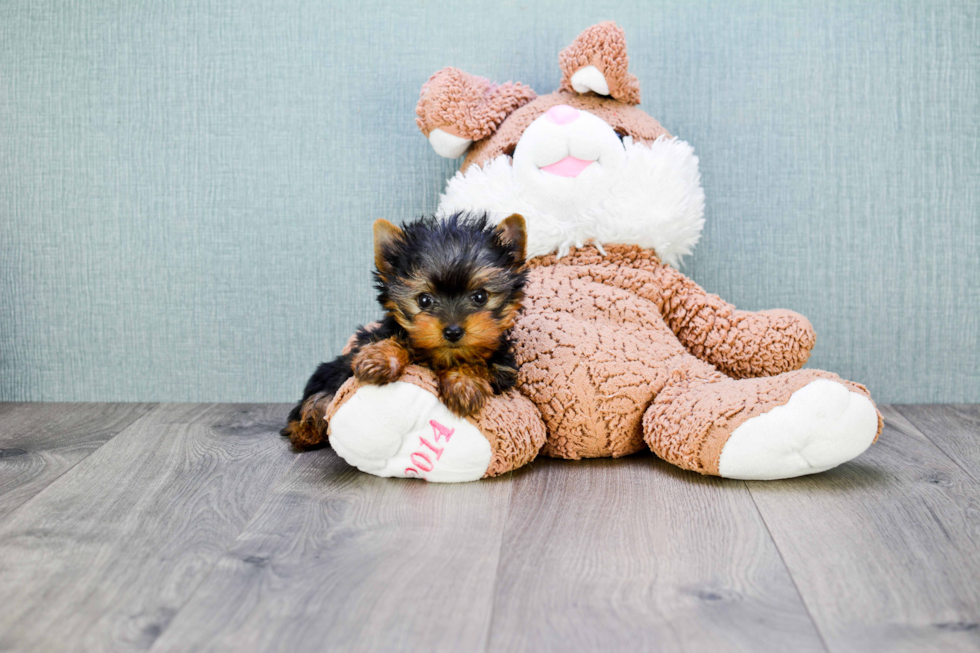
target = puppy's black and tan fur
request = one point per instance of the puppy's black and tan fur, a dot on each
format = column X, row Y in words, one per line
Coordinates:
column 450, row 290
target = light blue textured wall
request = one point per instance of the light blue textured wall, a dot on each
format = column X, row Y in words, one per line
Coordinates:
column 187, row 187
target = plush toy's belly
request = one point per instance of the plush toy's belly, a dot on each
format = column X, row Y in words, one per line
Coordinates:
column 592, row 358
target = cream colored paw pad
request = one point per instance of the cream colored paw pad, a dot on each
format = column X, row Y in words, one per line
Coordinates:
column 821, row 426
column 401, row 430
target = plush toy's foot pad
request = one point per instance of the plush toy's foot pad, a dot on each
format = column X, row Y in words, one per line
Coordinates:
column 821, row 426
column 402, row 430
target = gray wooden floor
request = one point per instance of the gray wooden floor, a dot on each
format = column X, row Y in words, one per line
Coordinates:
column 134, row 527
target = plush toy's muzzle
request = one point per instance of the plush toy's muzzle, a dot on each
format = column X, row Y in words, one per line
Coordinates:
column 623, row 120
column 567, row 142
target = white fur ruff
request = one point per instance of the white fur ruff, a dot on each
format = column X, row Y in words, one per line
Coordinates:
column 655, row 201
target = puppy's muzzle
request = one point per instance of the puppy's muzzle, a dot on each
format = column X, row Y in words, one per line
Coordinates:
column 453, row 333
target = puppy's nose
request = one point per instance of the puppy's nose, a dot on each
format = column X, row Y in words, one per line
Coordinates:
column 453, row 333
column 562, row 114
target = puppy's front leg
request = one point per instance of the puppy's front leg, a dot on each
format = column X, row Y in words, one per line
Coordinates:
column 381, row 362
column 503, row 368
column 464, row 389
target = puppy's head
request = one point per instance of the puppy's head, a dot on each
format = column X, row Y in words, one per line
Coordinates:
column 455, row 285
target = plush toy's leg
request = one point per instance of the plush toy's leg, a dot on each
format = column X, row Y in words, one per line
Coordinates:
column 402, row 429
column 782, row 426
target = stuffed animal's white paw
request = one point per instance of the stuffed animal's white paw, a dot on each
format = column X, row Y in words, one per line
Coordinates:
column 401, row 430
column 821, row 426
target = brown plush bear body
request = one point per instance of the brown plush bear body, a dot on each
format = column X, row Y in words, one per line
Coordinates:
column 617, row 350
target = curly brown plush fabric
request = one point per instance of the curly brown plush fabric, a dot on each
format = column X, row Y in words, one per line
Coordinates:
column 618, row 352
column 514, row 428
column 741, row 344
column 602, row 46
column 602, row 338
column 466, row 105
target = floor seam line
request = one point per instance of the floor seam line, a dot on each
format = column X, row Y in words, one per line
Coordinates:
column 496, row 575
column 933, row 442
column 231, row 545
column 789, row 572
column 78, row 462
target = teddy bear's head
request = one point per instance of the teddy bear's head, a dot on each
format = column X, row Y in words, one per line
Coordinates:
column 583, row 164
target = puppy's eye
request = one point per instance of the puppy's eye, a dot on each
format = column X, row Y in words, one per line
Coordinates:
column 479, row 297
column 424, row 300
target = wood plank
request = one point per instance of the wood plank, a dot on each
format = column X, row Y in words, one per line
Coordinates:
column 41, row 441
column 884, row 549
column 106, row 555
column 338, row 560
column 636, row 555
column 954, row 428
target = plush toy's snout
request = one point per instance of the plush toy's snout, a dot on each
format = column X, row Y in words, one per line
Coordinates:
column 562, row 114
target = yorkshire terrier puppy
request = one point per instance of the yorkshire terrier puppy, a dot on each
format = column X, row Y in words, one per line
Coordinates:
column 450, row 290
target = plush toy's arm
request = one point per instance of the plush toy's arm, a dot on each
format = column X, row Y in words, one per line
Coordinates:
column 741, row 344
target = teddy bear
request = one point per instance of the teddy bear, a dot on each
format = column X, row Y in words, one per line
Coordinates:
column 618, row 350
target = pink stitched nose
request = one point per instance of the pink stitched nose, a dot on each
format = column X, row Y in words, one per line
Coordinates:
column 562, row 114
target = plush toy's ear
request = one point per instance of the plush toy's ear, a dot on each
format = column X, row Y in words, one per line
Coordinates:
column 456, row 108
column 513, row 231
column 385, row 234
column 596, row 62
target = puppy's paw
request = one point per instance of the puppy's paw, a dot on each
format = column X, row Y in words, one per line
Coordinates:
column 463, row 391
column 380, row 362
column 310, row 430
column 304, row 435
column 502, row 377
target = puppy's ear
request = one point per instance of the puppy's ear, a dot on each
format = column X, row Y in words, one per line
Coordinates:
column 385, row 234
column 513, row 231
